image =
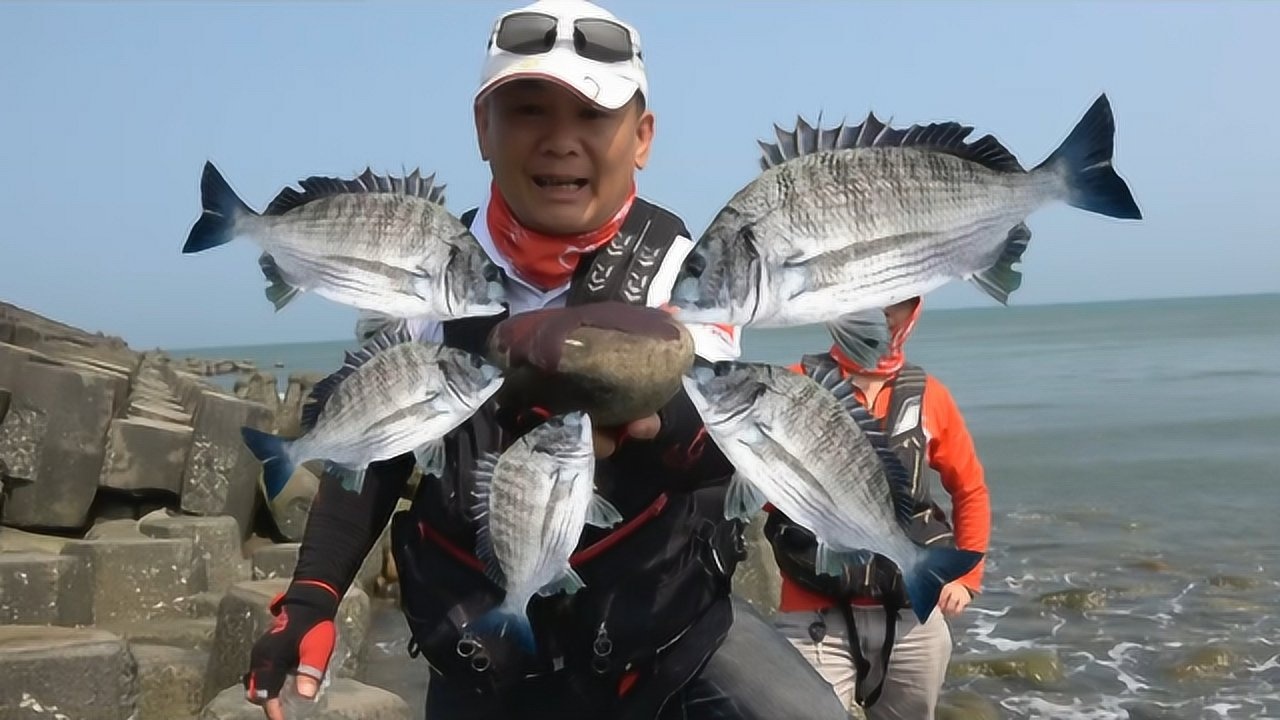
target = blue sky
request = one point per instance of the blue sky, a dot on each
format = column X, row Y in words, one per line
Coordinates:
column 109, row 110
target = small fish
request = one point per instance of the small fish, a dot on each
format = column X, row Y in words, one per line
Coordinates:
column 809, row 448
column 532, row 502
column 385, row 244
column 394, row 395
column 865, row 216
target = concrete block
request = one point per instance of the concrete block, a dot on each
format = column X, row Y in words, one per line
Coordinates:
column 343, row 700
column 222, row 477
column 170, row 682
column 57, row 672
column 195, row 633
column 39, row 589
column 215, row 543
column 145, row 454
column 243, row 617
column 54, row 435
column 273, row 562
column 135, row 579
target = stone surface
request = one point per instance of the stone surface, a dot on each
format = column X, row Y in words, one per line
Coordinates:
column 215, row 543
column 56, row 444
column 272, row 562
column 1037, row 668
column 113, row 528
column 194, row 633
column 259, row 387
column 170, row 682
column 144, row 454
column 222, row 476
column 295, row 394
column 291, row 506
column 15, row 540
column 243, row 617
column 757, row 579
column 343, row 700
column 56, row 672
column 133, row 579
column 37, row 589
column 964, row 705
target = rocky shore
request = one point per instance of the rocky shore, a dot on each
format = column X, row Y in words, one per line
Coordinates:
column 138, row 552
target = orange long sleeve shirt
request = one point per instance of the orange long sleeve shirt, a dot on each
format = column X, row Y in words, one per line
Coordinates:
column 951, row 453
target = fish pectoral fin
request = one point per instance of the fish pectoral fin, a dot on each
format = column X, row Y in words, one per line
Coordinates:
column 278, row 290
column 352, row 479
column 569, row 583
column 430, row 458
column 601, row 513
column 743, row 499
column 1000, row 280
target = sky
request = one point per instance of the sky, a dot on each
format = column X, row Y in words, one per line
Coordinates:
column 108, row 112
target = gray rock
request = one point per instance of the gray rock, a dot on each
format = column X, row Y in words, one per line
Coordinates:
column 53, row 672
column 275, row 561
column 194, row 633
column 56, row 444
column 222, row 476
column 104, row 529
column 170, row 682
column 134, row 579
column 1037, row 668
column 243, row 617
column 343, row 700
column 38, row 589
column 215, row 542
column 15, row 540
column 292, row 505
column 159, row 411
column 144, row 454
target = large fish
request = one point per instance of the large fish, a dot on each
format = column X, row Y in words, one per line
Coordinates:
column 394, row 395
column 817, row 455
column 865, row 216
column 383, row 244
column 532, row 502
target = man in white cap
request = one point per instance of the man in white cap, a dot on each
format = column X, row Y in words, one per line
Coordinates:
column 562, row 118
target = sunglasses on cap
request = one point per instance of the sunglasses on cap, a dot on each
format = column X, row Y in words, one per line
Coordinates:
column 599, row 39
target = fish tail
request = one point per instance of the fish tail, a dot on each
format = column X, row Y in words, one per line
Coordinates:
column 221, row 207
column 936, row 567
column 502, row 621
column 1084, row 160
column 273, row 453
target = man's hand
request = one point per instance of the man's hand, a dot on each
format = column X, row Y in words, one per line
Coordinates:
column 299, row 641
column 954, row 599
column 606, row 439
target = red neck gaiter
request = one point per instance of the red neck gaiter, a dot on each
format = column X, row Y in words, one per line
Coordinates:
column 891, row 361
column 545, row 261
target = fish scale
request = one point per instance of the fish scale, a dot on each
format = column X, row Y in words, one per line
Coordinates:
column 858, row 218
column 808, row 449
column 384, row 245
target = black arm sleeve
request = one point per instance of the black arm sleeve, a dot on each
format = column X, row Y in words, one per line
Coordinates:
column 343, row 526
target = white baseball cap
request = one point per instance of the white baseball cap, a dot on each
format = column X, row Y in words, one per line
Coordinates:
column 572, row 42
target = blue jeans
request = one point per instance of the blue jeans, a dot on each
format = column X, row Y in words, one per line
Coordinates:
column 755, row 675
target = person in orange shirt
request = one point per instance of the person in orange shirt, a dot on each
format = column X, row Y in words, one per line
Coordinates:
column 901, row 678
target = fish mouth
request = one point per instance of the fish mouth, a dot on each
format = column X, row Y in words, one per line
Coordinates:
column 559, row 182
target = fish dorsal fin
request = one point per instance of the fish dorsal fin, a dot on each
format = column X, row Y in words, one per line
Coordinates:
column 317, row 187
column 352, row 361
column 828, row 375
column 482, row 485
column 896, row 473
column 947, row 137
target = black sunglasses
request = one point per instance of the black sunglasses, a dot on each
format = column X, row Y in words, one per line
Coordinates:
column 593, row 38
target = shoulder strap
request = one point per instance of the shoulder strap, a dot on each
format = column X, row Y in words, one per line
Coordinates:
column 624, row 268
column 905, row 423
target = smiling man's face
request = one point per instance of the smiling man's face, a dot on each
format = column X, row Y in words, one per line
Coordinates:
column 563, row 165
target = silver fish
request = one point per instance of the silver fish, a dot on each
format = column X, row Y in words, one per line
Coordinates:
column 393, row 396
column 809, row 448
column 532, row 502
column 865, row 216
column 385, row 244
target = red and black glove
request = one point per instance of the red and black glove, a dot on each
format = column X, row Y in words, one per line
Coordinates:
column 301, row 638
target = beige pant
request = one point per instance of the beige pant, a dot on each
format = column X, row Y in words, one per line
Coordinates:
column 917, row 664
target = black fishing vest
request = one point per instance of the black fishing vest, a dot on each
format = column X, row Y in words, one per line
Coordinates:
column 879, row 580
column 655, row 601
